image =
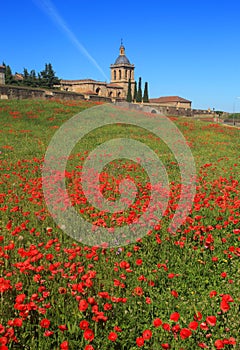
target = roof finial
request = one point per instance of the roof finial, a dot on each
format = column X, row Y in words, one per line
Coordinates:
column 122, row 48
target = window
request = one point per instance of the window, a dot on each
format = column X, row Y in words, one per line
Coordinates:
column 114, row 75
column 120, row 74
column 125, row 73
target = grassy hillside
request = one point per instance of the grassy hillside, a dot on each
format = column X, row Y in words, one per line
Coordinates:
column 164, row 291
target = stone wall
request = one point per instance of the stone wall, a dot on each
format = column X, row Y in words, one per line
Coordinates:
column 19, row 93
column 99, row 98
column 154, row 108
column 61, row 95
column 168, row 110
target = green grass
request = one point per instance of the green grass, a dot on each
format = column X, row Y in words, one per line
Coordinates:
column 152, row 278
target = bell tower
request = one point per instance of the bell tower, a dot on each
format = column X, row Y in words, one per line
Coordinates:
column 122, row 70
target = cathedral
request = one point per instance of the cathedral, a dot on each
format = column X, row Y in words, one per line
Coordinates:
column 121, row 71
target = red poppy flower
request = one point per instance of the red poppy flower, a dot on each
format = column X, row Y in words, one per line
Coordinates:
column 193, row 325
column 17, row 322
column 157, row 322
column 227, row 298
column 84, row 324
column 112, row 336
column 224, row 306
column 89, row 347
column 198, row 316
column 45, row 323
column 232, row 341
column 175, row 328
column 185, row 333
column 62, row 327
column 117, row 329
column 202, row 345
column 174, row 293
column 140, row 342
column 48, row 333
column 166, row 327
column 20, row 298
column 147, row 334
column 139, row 262
column 148, row 300
column 138, row 291
column 174, row 316
column 204, row 326
column 219, row 344
column 88, row 334
column 212, row 294
column 83, row 305
column 64, row 345
column 211, row 320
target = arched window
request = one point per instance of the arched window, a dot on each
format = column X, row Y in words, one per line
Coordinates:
column 114, row 75
column 126, row 73
column 120, row 74
column 98, row 91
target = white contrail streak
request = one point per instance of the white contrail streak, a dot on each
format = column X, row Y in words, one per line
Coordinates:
column 51, row 11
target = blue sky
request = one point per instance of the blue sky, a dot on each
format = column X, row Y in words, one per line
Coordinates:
column 185, row 48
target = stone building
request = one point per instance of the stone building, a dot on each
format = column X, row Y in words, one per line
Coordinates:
column 171, row 101
column 2, row 75
column 121, row 71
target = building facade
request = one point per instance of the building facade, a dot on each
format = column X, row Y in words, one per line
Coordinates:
column 121, row 72
column 171, row 101
column 2, row 75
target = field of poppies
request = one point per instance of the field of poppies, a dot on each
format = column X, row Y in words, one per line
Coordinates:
column 164, row 291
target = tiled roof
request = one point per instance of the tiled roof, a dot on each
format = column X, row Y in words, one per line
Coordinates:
column 122, row 59
column 114, row 85
column 18, row 76
column 64, row 81
column 165, row 99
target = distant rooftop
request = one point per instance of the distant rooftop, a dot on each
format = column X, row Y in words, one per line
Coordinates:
column 165, row 99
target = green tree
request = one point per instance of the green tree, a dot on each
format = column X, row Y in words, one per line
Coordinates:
column 135, row 91
column 145, row 95
column 139, row 93
column 8, row 75
column 26, row 78
column 129, row 93
column 33, row 78
column 47, row 77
